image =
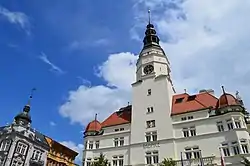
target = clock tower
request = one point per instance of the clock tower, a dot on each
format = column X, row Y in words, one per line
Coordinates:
column 151, row 100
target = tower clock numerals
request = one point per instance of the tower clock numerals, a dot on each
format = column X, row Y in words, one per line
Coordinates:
column 148, row 69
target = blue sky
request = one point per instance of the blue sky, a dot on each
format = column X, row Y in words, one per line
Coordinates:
column 52, row 29
column 81, row 55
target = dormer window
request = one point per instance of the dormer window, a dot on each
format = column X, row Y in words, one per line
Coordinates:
column 190, row 98
column 179, row 100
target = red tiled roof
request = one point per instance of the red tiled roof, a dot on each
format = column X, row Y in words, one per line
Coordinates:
column 120, row 117
column 93, row 126
column 183, row 103
column 226, row 100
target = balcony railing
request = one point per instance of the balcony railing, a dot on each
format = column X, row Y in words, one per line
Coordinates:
column 196, row 162
column 36, row 162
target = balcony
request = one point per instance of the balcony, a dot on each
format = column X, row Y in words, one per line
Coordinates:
column 34, row 162
column 208, row 161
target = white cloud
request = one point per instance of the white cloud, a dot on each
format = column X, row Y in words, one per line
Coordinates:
column 18, row 18
column 79, row 45
column 207, row 42
column 76, row 147
column 52, row 123
column 85, row 102
column 43, row 57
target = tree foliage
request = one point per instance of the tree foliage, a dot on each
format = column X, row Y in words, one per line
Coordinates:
column 168, row 162
column 102, row 161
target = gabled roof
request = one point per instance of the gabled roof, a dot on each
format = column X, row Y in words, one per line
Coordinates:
column 183, row 103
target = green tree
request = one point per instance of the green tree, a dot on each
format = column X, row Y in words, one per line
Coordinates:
column 168, row 162
column 245, row 161
column 102, row 161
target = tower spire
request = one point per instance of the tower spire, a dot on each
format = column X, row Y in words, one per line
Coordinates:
column 151, row 38
column 149, row 16
column 24, row 117
column 31, row 96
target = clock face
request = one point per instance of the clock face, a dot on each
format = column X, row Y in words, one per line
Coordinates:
column 148, row 69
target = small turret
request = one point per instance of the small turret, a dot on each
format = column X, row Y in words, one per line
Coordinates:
column 24, row 118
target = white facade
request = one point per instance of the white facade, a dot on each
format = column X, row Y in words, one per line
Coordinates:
column 154, row 132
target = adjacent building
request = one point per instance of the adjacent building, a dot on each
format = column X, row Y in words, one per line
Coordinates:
column 60, row 155
column 159, row 124
column 21, row 145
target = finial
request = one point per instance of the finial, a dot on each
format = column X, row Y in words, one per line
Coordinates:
column 95, row 117
column 31, row 96
column 223, row 90
column 185, row 90
column 149, row 16
column 237, row 94
column 128, row 103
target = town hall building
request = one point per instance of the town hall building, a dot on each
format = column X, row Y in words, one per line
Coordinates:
column 195, row 129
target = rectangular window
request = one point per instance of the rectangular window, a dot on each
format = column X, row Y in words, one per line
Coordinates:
column 21, row 148
column 121, row 129
column 116, row 130
column 225, row 149
column 148, row 137
column 220, row 126
column 185, row 132
column 151, row 136
column 190, row 117
column 148, row 158
column 230, row 124
column 152, row 157
column 150, row 109
column 120, row 161
column 155, row 157
column 37, row 155
column 149, row 92
column 115, row 158
column 188, row 153
column 97, row 144
column 154, row 136
column 117, row 161
column 116, row 142
column 184, row 118
column 5, row 145
column 88, row 162
column 192, row 131
column 244, row 146
column 90, row 144
column 121, row 141
column 235, row 148
column 196, row 152
column 237, row 123
column 150, row 123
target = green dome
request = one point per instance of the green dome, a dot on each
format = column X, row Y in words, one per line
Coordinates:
column 24, row 115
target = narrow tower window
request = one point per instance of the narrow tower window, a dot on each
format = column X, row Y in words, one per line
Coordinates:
column 149, row 92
